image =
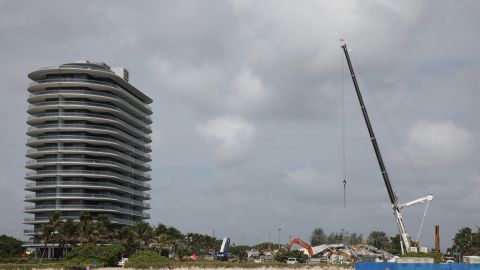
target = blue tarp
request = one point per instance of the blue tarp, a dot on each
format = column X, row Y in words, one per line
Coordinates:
column 415, row 266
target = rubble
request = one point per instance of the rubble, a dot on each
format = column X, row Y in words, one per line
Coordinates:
column 340, row 253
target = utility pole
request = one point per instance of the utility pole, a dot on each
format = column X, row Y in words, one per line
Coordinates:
column 279, row 230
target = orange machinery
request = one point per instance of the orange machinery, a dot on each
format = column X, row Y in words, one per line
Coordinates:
column 300, row 242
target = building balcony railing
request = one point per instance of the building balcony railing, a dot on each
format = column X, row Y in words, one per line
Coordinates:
column 109, row 186
column 146, row 118
column 96, row 174
column 82, row 67
column 76, row 149
column 115, row 120
column 86, row 162
column 83, row 127
column 92, row 208
column 108, row 141
column 104, row 106
column 75, row 218
column 32, row 231
column 97, row 82
column 99, row 196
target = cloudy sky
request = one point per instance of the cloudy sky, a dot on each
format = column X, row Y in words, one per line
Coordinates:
column 248, row 108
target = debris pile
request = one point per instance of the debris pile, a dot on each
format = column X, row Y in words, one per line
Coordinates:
column 340, row 253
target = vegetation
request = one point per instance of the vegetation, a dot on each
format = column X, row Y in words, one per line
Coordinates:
column 298, row 254
column 318, row 237
column 9, row 247
column 97, row 241
column 163, row 240
column 437, row 257
column 239, row 251
column 266, row 246
column 344, row 237
column 466, row 242
column 146, row 259
column 102, row 255
column 379, row 240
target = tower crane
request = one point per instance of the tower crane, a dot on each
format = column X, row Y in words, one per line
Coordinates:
column 396, row 206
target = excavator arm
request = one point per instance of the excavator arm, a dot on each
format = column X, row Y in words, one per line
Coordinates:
column 300, row 242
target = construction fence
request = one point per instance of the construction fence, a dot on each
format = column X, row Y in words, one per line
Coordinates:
column 415, row 266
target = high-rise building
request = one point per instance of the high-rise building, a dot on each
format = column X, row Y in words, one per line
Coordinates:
column 89, row 145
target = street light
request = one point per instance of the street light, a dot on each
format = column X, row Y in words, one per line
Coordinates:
column 279, row 230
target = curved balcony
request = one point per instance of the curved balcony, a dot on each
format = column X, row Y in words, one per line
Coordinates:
column 100, row 72
column 93, row 84
column 84, row 173
column 86, row 196
column 40, row 96
column 38, row 220
column 91, row 208
column 32, row 232
column 84, row 184
column 92, row 117
column 38, row 163
column 83, row 67
column 39, row 107
column 38, row 152
column 41, row 129
column 40, row 140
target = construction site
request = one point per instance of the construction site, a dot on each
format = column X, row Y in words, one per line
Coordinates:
column 327, row 253
column 410, row 249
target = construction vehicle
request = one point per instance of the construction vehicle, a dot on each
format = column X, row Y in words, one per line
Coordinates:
column 300, row 242
column 222, row 255
column 396, row 206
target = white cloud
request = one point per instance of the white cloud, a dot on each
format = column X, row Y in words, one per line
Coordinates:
column 308, row 183
column 438, row 143
column 232, row 137
column 198, row 84
column 247, row 91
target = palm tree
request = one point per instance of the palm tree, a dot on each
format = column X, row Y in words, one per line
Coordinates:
column 159, row 243
column 68, row 233
column 160, row 229
column 144, row 233
column 46, row 237
column 49, row 231
column 104, row 229
column 88, row 232
column 128, row 238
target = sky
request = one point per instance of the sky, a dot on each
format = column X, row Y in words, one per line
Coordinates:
column 247, row 132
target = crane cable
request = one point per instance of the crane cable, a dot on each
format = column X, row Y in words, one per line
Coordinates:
column 423, row 219
column 398, row 143
column 413, row 169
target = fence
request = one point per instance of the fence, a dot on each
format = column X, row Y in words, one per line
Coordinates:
column 415, row 266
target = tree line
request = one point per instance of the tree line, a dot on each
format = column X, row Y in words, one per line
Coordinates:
column 378, row 239
column 166, row 240
column 465, row 242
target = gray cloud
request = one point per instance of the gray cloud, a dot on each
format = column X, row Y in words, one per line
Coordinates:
column 232, row 137
column 277, row 65
column 434, row 144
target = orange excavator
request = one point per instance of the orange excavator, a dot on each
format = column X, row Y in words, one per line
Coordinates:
column 300, row 242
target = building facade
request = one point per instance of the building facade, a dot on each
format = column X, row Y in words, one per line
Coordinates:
column 88, row 145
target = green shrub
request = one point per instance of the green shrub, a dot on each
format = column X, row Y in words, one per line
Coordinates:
column 283, row 256
column 437, row 257
column 10, row 247
column 105, row 255
column 147, row 259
